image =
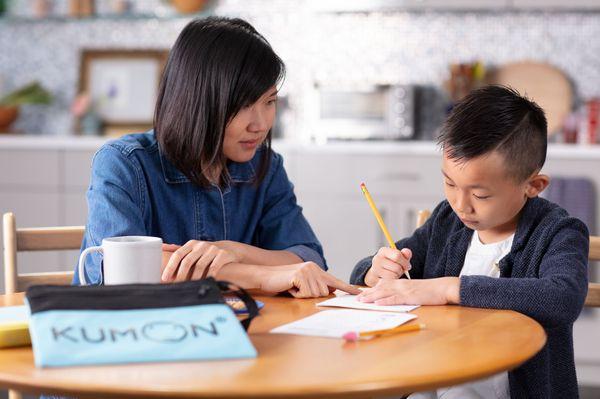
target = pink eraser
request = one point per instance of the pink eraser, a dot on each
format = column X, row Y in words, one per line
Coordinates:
column 351, row 336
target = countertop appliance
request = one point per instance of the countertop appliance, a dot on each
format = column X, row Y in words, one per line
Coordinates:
column 360, row 112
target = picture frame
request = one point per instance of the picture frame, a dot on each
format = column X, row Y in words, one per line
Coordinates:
column 122, row 85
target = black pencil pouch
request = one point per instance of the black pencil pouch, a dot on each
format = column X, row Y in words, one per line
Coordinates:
column 77, row 325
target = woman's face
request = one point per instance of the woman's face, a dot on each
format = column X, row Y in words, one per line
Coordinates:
column 249, row 128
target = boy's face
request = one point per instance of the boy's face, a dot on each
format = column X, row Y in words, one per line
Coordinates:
column 482, row 194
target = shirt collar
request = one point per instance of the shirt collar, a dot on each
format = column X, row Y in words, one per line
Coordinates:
column 239, row 172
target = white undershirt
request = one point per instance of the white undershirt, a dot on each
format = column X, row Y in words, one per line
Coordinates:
column 481, row 259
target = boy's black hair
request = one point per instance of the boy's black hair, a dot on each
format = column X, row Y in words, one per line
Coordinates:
column 497, row 118
column 216, row 67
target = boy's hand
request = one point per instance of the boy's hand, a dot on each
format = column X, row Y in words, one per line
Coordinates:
column 434, row 291
column 389, row 264
column 303, row 280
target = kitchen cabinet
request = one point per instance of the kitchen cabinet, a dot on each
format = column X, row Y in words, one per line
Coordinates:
column 343, row 6
column 555, row 5
column 405, row 5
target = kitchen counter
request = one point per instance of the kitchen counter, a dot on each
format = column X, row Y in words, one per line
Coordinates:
column 564, row 151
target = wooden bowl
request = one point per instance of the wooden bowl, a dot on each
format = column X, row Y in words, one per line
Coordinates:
column 188, row 6
column 8, row 114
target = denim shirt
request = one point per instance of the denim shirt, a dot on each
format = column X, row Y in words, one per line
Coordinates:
column 135, row 190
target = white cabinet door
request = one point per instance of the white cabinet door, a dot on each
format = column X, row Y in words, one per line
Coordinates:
column 346, row 228
column 77, row 169
column 26, row 170
column 403, row 214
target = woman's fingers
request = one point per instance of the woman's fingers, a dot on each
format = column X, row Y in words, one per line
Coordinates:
column 173, row 263
column 202, row 265
column 170, row 247
column 223, row 257
column 323, row 288
column 340, row 285
column 187, row 265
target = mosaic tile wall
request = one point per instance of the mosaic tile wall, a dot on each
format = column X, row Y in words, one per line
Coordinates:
column 398, row 47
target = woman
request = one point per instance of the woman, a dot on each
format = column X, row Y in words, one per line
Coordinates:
column 205, row 179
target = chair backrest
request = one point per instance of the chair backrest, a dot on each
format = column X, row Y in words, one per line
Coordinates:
column 35, row 239
column 593, row 297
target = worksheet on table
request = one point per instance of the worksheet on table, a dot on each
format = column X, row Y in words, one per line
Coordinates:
column 335, row 323
column 350, row 301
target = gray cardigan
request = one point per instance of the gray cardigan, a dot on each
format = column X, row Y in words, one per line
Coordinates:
column 544, row 277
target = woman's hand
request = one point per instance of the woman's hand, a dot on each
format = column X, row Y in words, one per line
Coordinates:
column 194, row 260
column 304, row 280
column 388, row 264
column 434, row 291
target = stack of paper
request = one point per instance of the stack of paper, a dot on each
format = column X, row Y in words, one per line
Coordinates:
column 336, row 323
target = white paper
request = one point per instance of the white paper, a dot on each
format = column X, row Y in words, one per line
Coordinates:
column 336, row 323
column 12, row 314
column 349, row 301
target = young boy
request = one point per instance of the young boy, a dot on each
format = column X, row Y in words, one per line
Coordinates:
column 494, row 243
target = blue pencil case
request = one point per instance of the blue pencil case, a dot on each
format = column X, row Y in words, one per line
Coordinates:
column 137, row 323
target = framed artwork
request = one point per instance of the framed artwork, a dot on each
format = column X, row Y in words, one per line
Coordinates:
column 122, row 86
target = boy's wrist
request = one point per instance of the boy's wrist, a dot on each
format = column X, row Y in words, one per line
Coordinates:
column 453, row 291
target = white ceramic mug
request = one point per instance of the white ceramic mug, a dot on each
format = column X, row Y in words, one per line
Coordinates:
column 127, row 260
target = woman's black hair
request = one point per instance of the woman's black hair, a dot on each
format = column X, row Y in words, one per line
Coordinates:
column 216, row 67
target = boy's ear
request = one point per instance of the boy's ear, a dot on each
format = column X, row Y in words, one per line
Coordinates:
column 536, row 184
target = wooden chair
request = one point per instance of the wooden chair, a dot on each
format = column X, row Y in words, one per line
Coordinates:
column 35, row 239
column 593, row 296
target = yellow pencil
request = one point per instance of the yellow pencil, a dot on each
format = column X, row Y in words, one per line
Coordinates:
column 355, row 336
column 386, row 233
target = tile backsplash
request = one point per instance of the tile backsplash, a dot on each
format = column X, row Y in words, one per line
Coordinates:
column 392, row 47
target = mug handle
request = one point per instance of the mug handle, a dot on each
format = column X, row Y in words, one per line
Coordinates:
column 82, row 257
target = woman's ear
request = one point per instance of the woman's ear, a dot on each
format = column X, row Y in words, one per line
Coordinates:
column 536, row 184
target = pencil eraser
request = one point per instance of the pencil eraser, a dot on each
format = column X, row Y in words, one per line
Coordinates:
column 351, row 336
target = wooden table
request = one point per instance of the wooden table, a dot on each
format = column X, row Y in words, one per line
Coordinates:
column 458, row 345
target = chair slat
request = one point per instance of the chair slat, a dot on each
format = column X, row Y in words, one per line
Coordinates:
column 56, row 278
column 593, row 297
column 594, row 248
column 50, row 238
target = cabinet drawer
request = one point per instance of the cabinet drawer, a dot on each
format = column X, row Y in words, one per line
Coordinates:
column 77, row 169
column 31, row 168
column 389, row 174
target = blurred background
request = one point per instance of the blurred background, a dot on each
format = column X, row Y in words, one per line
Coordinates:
column 368, row 84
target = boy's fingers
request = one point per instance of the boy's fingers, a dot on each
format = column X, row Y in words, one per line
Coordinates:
column 389, row 300
column 374, row 295
column 407, row 253
column 401, row 257
column 388, row 275
column 397, row 268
